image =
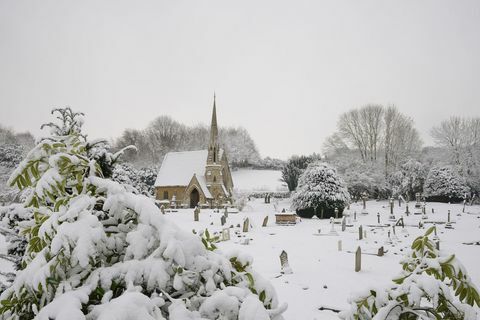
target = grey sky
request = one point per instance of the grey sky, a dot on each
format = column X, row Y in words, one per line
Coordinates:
column 284, row 70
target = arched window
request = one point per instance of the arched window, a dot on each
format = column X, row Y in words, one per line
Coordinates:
column 214, row 179
column 165, row 195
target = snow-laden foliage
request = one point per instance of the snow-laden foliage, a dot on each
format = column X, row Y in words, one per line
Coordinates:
column 294, row 167
column 320, row 187
column 142, row 180
column 444, row 184
column 98, row 251
column 408, row 179
column 433, row 285
column 10, row 157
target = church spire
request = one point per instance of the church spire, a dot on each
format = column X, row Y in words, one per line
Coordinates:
column 213, row 126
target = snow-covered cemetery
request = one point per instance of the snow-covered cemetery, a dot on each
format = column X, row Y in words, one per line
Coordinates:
column 144, row 175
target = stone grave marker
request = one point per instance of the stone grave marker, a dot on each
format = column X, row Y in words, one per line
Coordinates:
column 162, row 209
column 226, row 212
column 406, row 209
column 360, row 233
column 265, row 221
column 344, row 224
column 391, row 206
column 378, row 217
column 380, row 252
column 339, row 244
column 355, row 216
column 332, row 230
column 336, row 213
column 196, row 213
column 223, row 220
column 358, row 260
column 246, row 224
column 226, row 234
column 285, row 267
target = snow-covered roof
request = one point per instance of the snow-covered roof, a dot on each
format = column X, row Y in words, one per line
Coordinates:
column 178, row 168
column 203, row 184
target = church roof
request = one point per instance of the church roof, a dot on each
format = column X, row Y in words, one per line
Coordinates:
column 178, row 168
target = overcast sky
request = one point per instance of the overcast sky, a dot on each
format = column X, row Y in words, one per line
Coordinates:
column 284, row 70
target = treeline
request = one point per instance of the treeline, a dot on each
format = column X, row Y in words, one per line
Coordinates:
column 377, row 149
column 165, row 134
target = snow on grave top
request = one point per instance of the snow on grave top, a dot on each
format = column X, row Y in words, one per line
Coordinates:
column 249, row 180
column 178, row 167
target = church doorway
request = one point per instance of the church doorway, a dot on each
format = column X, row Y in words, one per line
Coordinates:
column 194, row 198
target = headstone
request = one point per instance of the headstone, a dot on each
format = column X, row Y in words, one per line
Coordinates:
column 391, row 205
column 265, row 221
column 339, row 244
column 358, row 260
column 225, row 213
column 223, row 220
column 380, row 252
column 365, row 234
column 378, row 217
column 437, row 245
column 246, row 224
column 336, row 213
column 393, row 228
column 360, row 233
column 448, row 217
column 162, row 209
column 399, row 201
column 332, row 230
column 285, row 267
column 226, row 234
column 355, row 216
column 433, row 210
column 364, row 199
column 406, row 209
column 344, row 224
column 400, row 223
column 196, row 213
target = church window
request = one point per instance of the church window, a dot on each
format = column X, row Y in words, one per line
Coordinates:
column 165, row 195
column 214, row 179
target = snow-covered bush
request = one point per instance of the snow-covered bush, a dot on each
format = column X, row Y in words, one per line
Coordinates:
column 97, row 251
column 320, row 190
column 444, row 185
column 408, row 179
column 433, row 285
column 12, row 219
column 142, row 180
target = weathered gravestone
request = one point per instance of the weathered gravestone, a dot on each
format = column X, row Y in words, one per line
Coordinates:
column 360, row 233
column 162, row 209
column 344, row 224
column 265, row 221
column 358, row 260
column 246, row 224
column 226, row 234
column 339, row 244
column 196, row 213
column 285, row 267
column 223, row 220
column 380, row 252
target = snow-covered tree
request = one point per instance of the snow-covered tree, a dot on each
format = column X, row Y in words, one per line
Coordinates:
column 294, row 167
column 408, row 179
column 445, row 184
column 142, row 180
column 97, row 251
column 432, row 285
column 320, row 190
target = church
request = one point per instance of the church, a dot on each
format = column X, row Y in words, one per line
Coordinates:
column 197, row 178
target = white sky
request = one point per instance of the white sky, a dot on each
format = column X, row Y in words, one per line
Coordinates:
column 284, row 70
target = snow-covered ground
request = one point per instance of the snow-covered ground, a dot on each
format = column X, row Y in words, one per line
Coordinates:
column 258, row 180
column 323, row 276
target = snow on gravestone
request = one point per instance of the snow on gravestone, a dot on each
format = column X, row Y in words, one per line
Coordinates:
column 223, row 220
column 196, row 213
column 226, row 234
column 265, row 221
column 285, row 267
column 358, row 259
column 246, row 224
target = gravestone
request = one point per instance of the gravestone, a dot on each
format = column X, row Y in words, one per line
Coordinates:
column 391, row 205
column 354, row 216
column 380, row 252
column 448, row 217
column 406, row 209
column 246, row 224
column 332, row 230
column 364, row 199
column 339, row 245
column 162, row 209
column 265, row 221
column 223, row 220
column 336, row 213
column 365, row 234
column 225, row 213
column 196, row 213
column 360, row 233
column 226, row 234
column 358, row 260
column 285, row 267
column 400, row 223
column 344, row 224
column 378, row 217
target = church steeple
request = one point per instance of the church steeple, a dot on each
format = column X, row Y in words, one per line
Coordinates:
column 213, row 144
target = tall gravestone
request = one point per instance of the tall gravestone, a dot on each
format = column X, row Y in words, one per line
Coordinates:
column 196, row 214
column 265, row 221
column 358, row 260
column 246, row 224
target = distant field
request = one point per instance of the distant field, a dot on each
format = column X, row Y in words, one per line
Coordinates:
column 258, row 180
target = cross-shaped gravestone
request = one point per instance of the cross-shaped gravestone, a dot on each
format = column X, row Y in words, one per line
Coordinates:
column 246, row 224
column 265, row 221
column 358, row 260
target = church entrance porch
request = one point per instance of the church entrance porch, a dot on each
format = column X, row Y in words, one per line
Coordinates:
column 194, row 198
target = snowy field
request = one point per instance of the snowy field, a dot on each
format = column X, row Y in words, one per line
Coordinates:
column 258, row 180
column 323, row 276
